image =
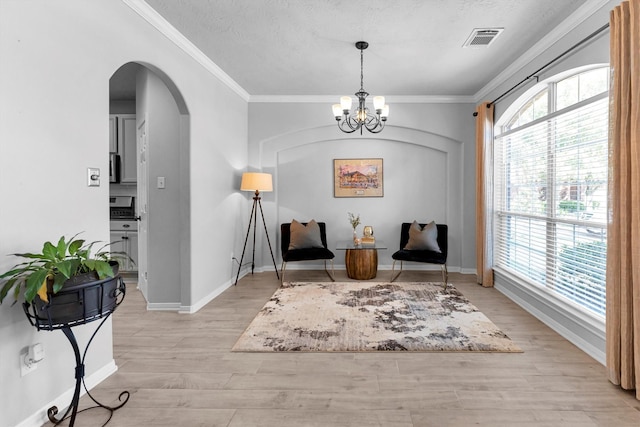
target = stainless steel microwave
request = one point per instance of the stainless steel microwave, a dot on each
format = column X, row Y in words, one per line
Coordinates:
column 114, row 167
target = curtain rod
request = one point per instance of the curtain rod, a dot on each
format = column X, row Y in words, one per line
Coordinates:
column 563, row 54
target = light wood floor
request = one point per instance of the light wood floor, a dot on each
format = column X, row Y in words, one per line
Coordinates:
column 180, row 372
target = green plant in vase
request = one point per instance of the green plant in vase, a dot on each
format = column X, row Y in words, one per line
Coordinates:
column 64, row 285
column 355, row 221
column 46, row 272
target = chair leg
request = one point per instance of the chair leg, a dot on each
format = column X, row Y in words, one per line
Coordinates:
column 284, row 266
column 445, row 275
column 332, row 274
column 393, row 266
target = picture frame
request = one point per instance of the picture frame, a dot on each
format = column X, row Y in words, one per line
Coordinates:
column 358, row 178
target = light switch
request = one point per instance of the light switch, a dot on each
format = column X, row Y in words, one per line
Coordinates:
column 161, row 182
column 93, row 177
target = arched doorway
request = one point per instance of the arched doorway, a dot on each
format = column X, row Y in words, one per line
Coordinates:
column 150, row 136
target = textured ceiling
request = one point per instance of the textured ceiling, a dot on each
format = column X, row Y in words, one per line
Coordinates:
column 306, row 47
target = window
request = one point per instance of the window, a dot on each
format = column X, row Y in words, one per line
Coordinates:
column 537, row 107
column 551, row 190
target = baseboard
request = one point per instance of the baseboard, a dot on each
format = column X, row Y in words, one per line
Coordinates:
column 40, row 417
column 193, row 308
column 583, row 331
column 190, row 309
column 163, row 306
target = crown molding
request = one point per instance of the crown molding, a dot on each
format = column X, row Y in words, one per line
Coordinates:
column 391, row 99
column 565, row 27
column 169, row 31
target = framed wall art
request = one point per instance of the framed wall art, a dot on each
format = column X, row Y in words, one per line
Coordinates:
column 357, row 178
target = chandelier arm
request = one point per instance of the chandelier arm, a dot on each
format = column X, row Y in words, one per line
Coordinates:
column 345, row 125
column 372, row 118
column 353, row 122
column 377, row 129
column 373, row 123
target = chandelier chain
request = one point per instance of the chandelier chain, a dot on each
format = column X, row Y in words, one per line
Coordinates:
column 362, row 70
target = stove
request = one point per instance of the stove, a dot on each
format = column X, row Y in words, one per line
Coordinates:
column 122, row 207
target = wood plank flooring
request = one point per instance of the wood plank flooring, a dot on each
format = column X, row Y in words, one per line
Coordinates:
column 180, row 372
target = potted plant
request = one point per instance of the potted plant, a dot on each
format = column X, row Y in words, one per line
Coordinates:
column 65, row 284
column 355, row 221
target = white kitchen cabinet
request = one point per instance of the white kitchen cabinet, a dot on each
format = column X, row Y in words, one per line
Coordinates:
column 113, row 134
column 124, row 238
column 122, row 140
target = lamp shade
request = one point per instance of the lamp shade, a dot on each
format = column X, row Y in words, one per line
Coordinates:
column 337, row 110
column 345, row 102
column 378, row 102
column 252, row 181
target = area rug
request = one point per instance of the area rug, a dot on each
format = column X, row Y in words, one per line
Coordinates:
column 371, row 316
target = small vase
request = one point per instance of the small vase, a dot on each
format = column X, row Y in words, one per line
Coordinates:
column 355, row 238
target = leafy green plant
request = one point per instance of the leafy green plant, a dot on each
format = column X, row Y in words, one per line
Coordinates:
column 354, row 220
column 53, row 266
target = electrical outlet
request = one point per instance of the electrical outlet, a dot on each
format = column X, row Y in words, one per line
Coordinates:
column 25, row 366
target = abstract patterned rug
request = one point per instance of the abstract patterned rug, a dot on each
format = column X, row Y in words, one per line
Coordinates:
column 371, row 316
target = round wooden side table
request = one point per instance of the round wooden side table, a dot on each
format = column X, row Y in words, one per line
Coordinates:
column 362, row 264
column 361, row 261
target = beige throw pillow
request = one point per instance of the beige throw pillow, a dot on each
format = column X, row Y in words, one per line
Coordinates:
column 423, row 238
column 305, row 237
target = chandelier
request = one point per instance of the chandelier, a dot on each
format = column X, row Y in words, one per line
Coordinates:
column 349, row 122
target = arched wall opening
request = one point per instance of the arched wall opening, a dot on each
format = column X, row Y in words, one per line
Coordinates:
column 162, row 186
column 422, row 180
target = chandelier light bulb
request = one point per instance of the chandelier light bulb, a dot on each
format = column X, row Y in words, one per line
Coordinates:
column 378, row 103
column 385, row 112
column 337, row 110
column 345, row 102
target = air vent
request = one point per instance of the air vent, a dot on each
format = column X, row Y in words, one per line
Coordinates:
column 481, row 37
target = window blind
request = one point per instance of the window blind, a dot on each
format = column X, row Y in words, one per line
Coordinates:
column 550, row 202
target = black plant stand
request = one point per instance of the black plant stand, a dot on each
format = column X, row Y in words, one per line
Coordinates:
column 98, row 300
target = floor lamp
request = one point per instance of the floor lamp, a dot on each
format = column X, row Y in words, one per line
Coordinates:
column 253, row 181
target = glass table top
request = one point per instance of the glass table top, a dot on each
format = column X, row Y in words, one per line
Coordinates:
column 348, row 244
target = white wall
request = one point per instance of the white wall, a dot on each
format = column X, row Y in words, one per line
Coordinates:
column 57, row 58
column 427, row 152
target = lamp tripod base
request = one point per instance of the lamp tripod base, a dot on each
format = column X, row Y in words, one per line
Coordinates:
column 253, row 218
